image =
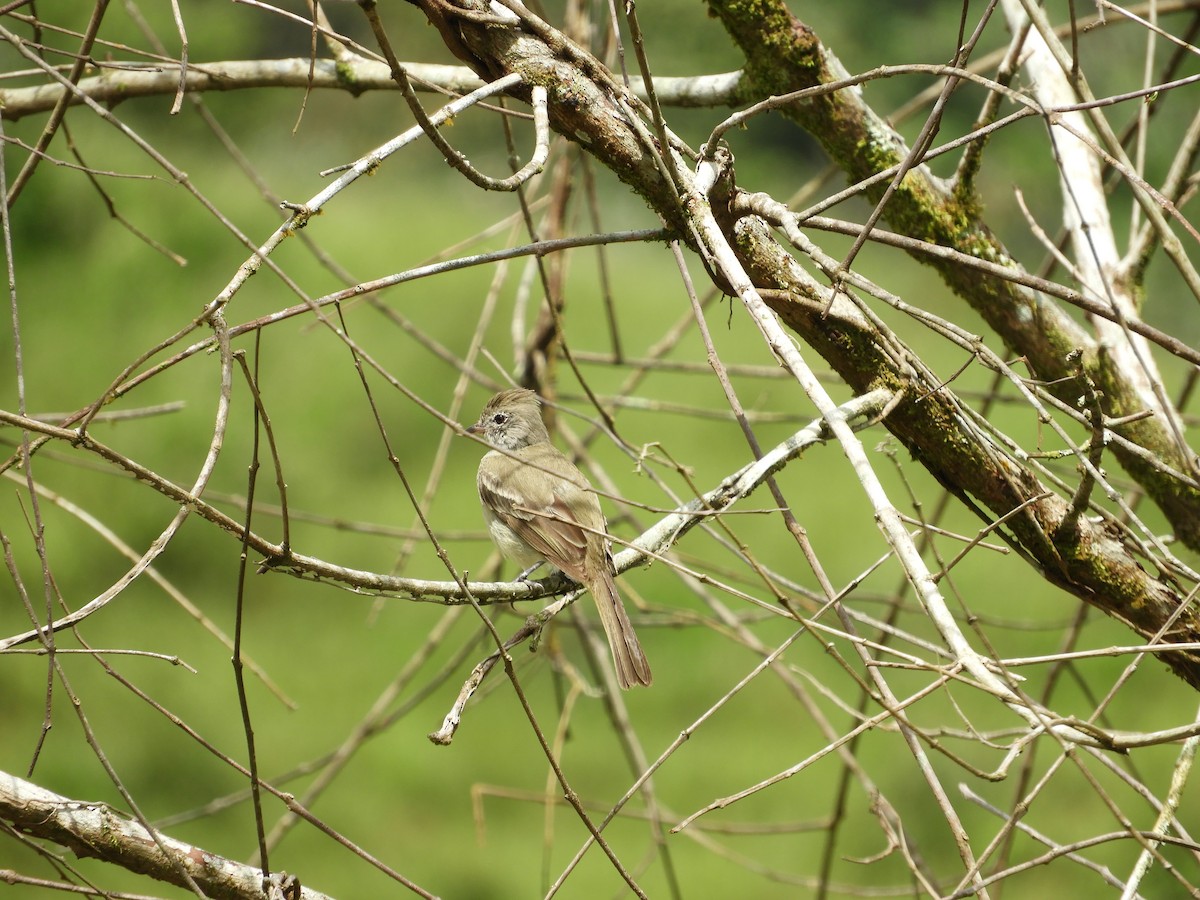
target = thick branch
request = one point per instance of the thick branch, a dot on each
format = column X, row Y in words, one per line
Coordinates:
column 98, row 831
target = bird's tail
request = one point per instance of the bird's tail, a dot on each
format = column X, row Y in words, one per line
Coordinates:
column 632, row 667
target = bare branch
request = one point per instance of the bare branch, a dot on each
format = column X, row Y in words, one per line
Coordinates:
column 98, row 831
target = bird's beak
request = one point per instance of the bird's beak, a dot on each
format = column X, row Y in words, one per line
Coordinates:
column 473, row 429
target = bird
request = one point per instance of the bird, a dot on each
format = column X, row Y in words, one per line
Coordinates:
column 539, row 507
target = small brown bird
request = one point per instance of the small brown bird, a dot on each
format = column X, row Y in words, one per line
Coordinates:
column 539, row 506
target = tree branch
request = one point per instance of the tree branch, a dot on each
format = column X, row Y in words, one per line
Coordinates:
column 356, row 76
column 97, row 831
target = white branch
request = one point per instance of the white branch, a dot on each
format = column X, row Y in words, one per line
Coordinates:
column 117, row 83
column 1097, row 261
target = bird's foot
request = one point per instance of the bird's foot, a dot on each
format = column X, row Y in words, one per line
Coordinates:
column 524, row 576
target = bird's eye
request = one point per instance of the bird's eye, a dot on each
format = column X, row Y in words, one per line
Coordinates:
column 499, row 418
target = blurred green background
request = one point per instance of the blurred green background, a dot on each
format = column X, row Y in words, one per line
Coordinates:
column 466, row 821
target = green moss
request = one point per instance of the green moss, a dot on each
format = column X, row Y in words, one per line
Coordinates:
column 347, row 77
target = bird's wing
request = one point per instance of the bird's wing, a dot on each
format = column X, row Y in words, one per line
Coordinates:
column 540, row 513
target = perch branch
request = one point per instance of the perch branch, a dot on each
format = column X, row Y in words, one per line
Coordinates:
column 281, row 558
column 667, row 532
